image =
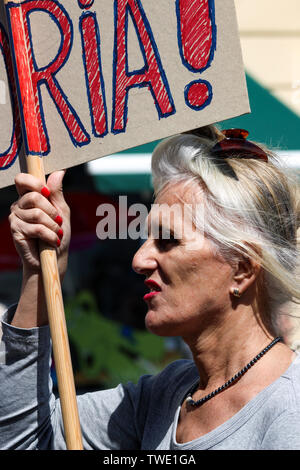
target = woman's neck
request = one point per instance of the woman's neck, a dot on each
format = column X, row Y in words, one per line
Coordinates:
column 225, row 348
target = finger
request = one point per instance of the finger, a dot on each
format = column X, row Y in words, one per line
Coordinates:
column 25, row 231
column 55, row 180
column 34, row 200
column 55, row 184
column 25, row 182
column 37, row 216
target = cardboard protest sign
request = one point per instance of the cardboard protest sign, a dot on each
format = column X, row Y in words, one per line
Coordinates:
column 108, row 75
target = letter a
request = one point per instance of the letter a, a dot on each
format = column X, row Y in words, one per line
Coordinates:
column 152, row 75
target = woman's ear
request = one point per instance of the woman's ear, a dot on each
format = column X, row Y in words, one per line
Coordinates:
column 246, row 272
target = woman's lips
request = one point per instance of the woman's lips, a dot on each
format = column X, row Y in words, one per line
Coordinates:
column 150, row 295
column 155, row 289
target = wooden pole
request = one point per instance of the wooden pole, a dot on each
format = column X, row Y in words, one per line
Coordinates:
column 51, row 280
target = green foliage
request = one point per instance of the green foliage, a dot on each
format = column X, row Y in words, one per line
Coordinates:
column 107, row 351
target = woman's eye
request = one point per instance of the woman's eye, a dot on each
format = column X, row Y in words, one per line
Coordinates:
column 167, row 242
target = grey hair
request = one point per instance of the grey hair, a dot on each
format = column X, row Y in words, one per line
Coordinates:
column 251, row 209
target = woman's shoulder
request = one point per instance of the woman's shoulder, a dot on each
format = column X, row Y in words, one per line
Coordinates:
column 174, row 377
column 292, row 379
column 173, row 381
column 292, row 373
column 182, row 369
column 283, row 432
column 283, row 395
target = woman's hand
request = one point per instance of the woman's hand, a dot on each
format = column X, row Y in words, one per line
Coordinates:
column 40, row 214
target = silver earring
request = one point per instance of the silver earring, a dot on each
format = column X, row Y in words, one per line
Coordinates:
column 236, row 292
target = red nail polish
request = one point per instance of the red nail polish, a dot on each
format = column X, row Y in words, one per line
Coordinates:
column 45, row 192
column 58, row 242
column 58, row 220
column 60, row 233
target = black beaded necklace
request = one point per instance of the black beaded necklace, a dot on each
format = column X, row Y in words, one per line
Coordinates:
column 200, row 402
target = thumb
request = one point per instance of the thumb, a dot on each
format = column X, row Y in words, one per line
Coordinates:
column 55, row 185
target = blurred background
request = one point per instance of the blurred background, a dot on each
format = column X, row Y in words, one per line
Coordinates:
column 103, row 296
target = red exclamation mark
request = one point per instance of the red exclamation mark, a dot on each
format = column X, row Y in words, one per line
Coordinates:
column 85, row 4
column 197, row 44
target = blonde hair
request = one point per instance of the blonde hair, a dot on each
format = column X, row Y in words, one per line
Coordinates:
column 251, row 208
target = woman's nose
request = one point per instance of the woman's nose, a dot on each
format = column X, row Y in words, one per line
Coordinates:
column 144, row 260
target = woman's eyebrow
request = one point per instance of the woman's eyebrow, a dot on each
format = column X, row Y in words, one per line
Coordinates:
column 159, row 229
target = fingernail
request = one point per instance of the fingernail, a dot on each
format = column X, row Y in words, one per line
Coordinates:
column 58, row 220
column 45, row 192
column 58, row 242
column 60, row 233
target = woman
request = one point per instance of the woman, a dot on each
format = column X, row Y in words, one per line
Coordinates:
column 220, row 273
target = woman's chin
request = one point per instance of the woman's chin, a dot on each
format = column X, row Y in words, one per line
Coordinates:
column 157, row 325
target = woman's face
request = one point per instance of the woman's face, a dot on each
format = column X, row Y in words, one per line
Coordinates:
column 189, row 286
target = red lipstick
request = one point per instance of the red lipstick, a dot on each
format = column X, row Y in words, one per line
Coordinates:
column 155, row 289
